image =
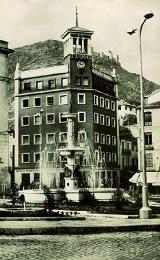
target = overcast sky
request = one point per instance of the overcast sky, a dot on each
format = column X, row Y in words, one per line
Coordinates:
column 24, row 22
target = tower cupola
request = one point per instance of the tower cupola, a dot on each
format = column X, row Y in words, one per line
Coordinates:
column 77, row 40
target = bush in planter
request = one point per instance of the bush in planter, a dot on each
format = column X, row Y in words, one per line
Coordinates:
column 89, row 199
column 49, row 201
column 13, row 193
column 118, row 198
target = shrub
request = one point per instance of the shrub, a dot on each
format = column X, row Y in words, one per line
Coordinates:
column 118, row 198
column 49, row 201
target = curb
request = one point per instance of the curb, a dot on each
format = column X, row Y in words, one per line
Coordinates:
column 40, row 218
column 63, row 230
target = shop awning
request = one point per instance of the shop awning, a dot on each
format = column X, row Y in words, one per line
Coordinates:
column 152, row 177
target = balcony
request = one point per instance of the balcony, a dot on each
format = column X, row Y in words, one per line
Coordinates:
column 126, row 152
column 149, row 147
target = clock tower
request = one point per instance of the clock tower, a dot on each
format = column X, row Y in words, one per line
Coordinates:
column 77, row 54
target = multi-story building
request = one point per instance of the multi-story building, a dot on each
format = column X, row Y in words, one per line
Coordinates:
column 151, row 139
column 127, row 113
column 43, row 95
column 4, row 135
column 129, row 155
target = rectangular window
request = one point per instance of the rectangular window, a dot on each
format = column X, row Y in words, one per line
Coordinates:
column 86, row 45
column 63, row 99
column 107, row 104
column 37, row 102
column 77, row 81
column 81, row 98
column 108, row 139
column 27, row 86
column 52, row 83
column 101, row 102
column 85, row 81
column 147, row 118
column 108, row 157
column 25, row 140
column 37, row 139
column 50, row 118
column 113, row 122
column 25, row 103
column 36, row 176
column 96, row 137
column 123, row 145
column 36, row 157
column 114, row 157
column 108, row 120
column 39, row 84
column 25, row 157
column 96, row 118
column 113, row 105
column 61, row 118
column 148, row 138
column 81, row 136
column 81, row 117
column 102, row 119
column 149, row 160
column 25, row 120
column 50, row 100
column 65, row 82
column 102, row 138
column 95, row 100
column 37, row 119
column 50, row 138
column 63, row 137
column 113, row 140
column 128, row 146
column 50, row 156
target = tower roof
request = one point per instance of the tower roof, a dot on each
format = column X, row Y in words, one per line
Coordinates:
column 77, row 29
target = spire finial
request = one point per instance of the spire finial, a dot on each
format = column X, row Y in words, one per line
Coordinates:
column 76, row 16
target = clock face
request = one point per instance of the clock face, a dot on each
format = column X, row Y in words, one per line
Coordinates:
column 80, row 64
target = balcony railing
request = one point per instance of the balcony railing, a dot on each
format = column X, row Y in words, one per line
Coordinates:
column 126, row 151
column 149, row 147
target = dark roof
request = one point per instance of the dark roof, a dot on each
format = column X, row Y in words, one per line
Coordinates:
column 77, row 29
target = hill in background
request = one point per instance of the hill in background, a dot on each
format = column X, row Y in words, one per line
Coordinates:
column 50, row 53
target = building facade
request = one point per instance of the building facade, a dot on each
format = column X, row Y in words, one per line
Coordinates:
column 4, row 134
column 151, row 141
column 43, row 96
column 129, row 155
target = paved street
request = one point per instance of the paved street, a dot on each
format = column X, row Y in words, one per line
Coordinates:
column 116, row 246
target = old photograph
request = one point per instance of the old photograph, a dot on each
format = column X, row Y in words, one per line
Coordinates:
column 79, row 129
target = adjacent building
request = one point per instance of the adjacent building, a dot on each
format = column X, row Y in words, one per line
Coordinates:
column 151, row 139
column 4, row 134
column 128, row 155
column 44, row 95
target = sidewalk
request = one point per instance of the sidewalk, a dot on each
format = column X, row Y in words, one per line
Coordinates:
column 88, row 226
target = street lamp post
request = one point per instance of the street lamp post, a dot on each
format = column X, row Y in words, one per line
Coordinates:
column 145, row 212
